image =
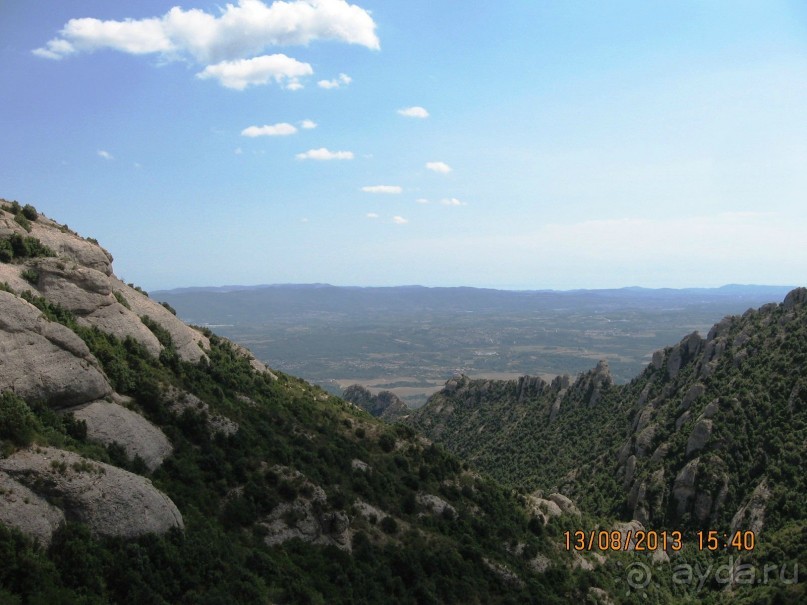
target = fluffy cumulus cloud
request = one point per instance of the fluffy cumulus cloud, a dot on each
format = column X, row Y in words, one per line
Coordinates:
column 422, row 200
column 342, row 80
column 382, row 189
column 451, row 201
column 372, row 215
column 399, row 220
column 258, row 70
column 242, row 30
column 414, row 112
column 324, row 154
column 273, row 130
column 440, row 167
column 308, row 124
column 105, row 154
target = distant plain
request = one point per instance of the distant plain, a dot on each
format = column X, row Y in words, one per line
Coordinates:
column 411, row 339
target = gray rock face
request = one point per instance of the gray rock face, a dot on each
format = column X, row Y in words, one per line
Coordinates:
column 189, row 343
column 435, row 504
column 684, row 486
column 565, row 504
column 109, row 500
column 543, row 509
column 71, row 247
column 694, row 392
column 794, row 298
column 24, row 510
column 80, row 279
column 699, row 436
column 43, row 360
column 752, row 514
column 178, row 401
column 385, row 405
column 306, row 519
column 111, row 423
column 683, row 353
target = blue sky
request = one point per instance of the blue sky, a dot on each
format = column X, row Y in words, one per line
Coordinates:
column 564, row 144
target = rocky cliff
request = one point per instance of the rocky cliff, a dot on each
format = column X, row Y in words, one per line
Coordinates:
column 385, row 405
column 48, row 269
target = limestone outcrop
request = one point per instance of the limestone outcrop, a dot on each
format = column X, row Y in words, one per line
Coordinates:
column 109, row 500
column 44, row 361
column 109, row 423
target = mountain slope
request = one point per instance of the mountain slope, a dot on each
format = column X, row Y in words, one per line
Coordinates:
column 144, row 461
column 712, row 435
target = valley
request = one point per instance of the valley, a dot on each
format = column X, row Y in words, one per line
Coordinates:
column 410, row 340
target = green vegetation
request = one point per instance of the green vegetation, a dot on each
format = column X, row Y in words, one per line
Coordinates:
column 138, row 288
column 31, row 276
column 30, row 212
column 745, row 383
column 122, row 299
column 227, row 486
column 17, row 422
column 16, row 246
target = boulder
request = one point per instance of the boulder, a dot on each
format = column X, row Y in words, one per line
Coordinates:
column 43, row 360
column 435, row 504
column 24, row 510
column 565, row 504
column 112, row 423
column 751, row 515
column 109, row 500
column 699, row 436
column 684, row 486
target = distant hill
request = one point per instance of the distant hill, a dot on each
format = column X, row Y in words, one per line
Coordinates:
column 408, row 340
column 256, row 304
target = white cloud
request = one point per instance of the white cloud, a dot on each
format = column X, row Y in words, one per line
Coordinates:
column 258, row 70
column 451, row 201
column 399, row 220
column 422, row 200
column 342, row 80
column 239, row 30
column 440, row 167
column 134, row 37
column 308, row 124
column 105, row 154
column 324, row 154
column 372, row 215
column 304, row 219
column 414, row 112
column 275, row 130
column 382, row 189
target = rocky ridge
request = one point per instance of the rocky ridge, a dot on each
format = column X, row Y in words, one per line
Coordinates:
column 48, row 363
column 692, row 441
column 385, row 405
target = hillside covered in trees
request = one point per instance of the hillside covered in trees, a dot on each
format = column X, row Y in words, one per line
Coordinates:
column 712, row 435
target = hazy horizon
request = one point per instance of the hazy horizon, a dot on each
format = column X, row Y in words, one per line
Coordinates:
column 482, row 287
